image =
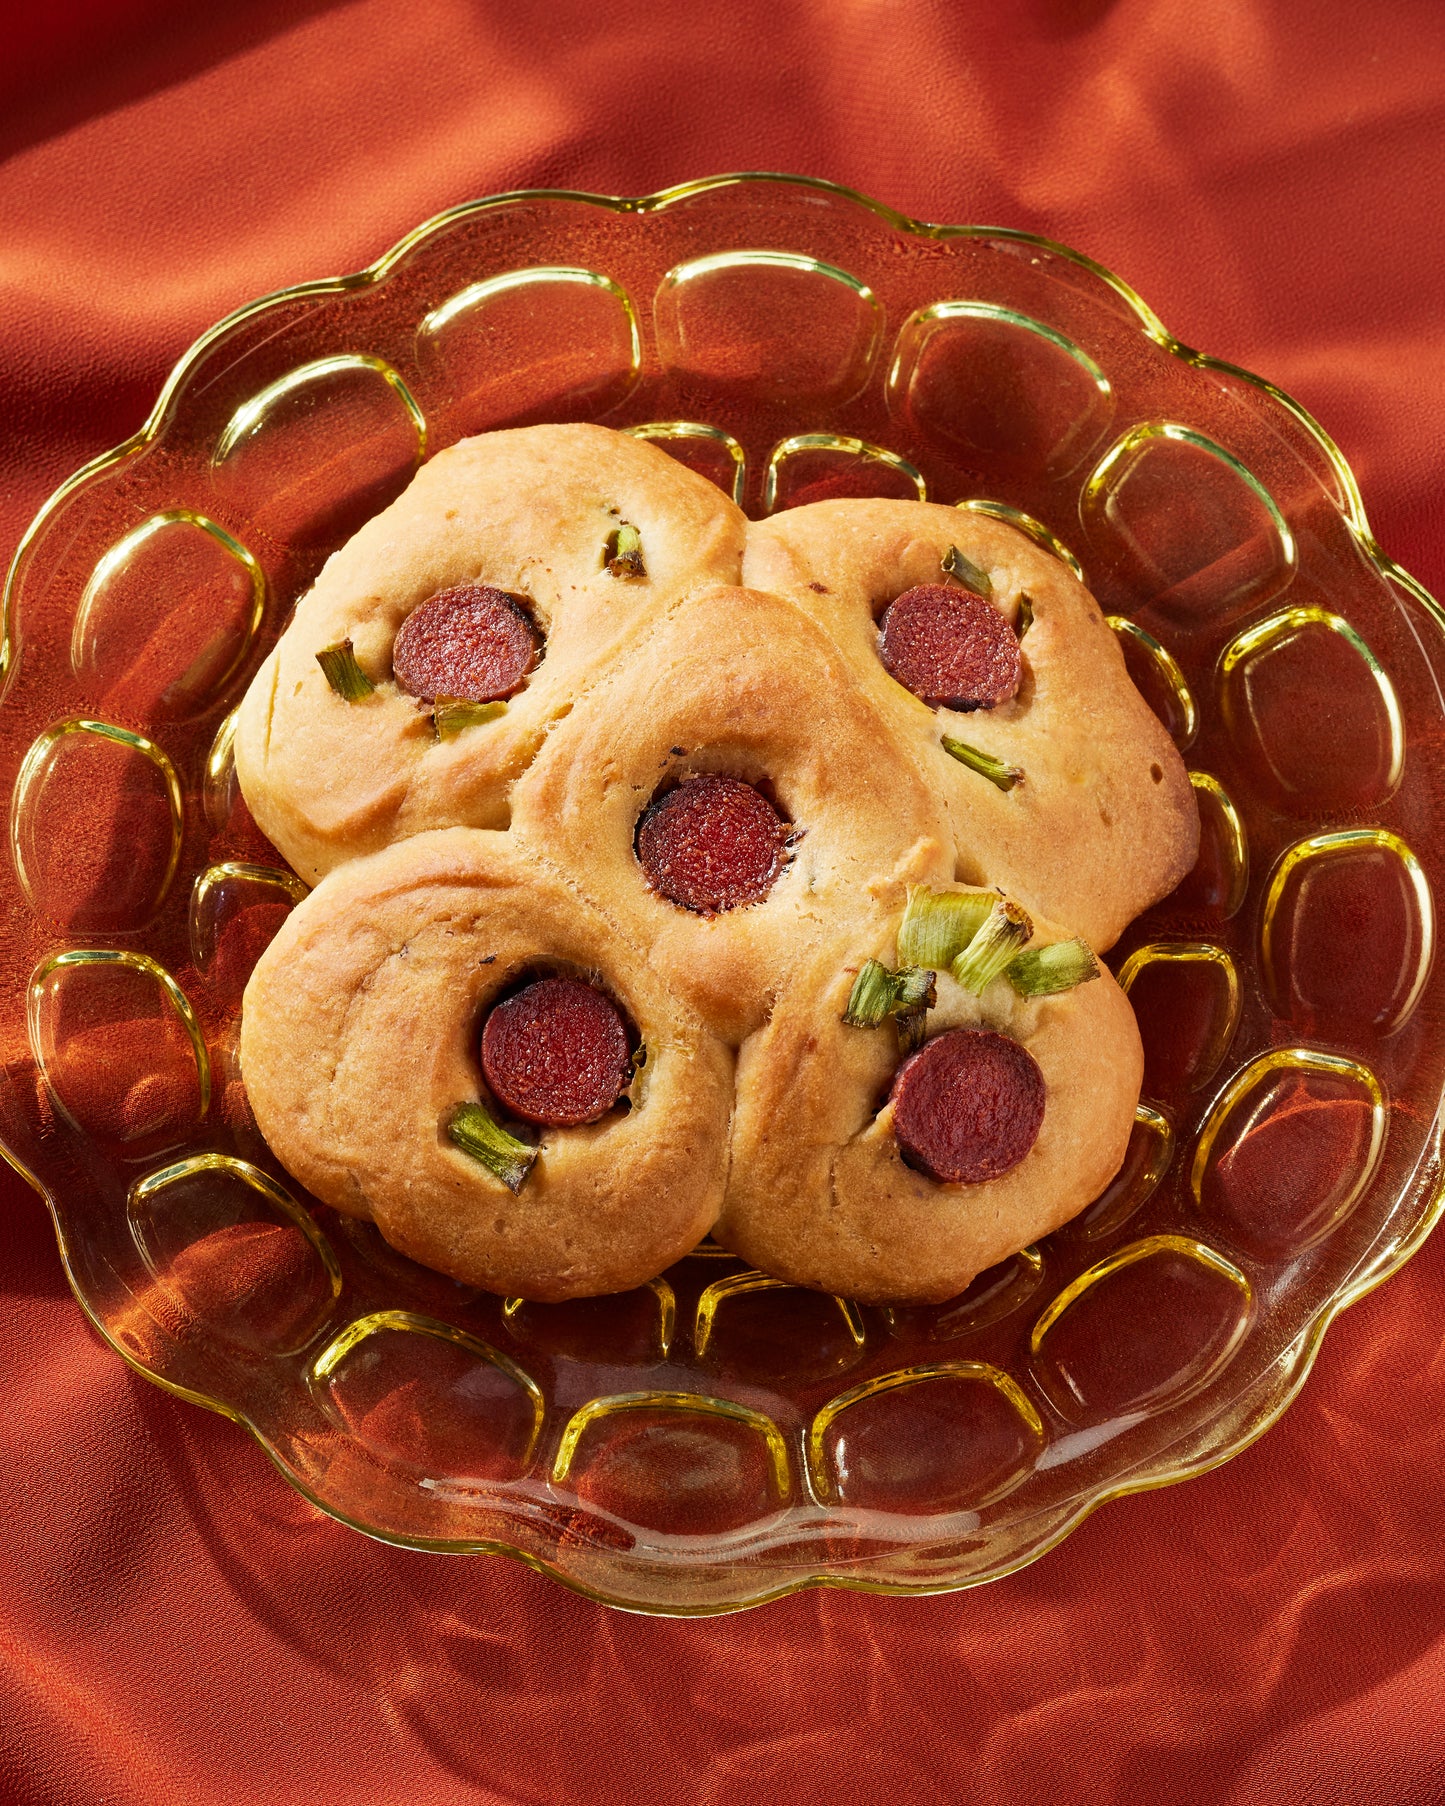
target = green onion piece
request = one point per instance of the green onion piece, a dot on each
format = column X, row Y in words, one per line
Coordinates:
column 917, row 994
column 1041, row 971
column 907, row 995
column 874, row 995
column 966, row 572
column 622, row 555
column 917, row 988
column 1005, row 776
column 451, row 714
column 1002, row 936
column 474, row 1132
column 938, row 924
column 343, row 673
column 1026, row 613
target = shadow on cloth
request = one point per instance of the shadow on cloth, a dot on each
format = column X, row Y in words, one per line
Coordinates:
column 135, row 49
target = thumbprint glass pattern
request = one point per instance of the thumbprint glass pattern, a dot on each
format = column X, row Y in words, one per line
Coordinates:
column 717, row 1438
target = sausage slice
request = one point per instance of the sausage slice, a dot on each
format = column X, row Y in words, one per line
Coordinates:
column 967, row 1106
column 471, row 642
column 951, row 648
column 711, row 844
column 556, row 1053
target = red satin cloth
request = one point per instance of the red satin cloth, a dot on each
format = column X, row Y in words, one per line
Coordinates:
column 177, row 1625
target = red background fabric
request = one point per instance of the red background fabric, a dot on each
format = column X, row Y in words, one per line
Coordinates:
column 180, row 1627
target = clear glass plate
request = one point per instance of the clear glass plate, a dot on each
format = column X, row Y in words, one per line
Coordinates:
column 716, row 1439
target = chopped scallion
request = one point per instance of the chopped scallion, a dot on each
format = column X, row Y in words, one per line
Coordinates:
column 450, row 715
column 938, row 924
column 473, row 1131
column 622, row 555
column 1004, row 934
column 1041, row 971
column 917, row 988
column 907, row 995
column 343, row 673
column 917, row 994
column 995, row 770
column 873, row 997
column 966, row 572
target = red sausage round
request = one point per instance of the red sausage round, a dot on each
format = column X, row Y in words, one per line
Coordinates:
column 967, row 1106
column 952, row 649
column 472, row 643
column 712, row 844
column 556, row 1053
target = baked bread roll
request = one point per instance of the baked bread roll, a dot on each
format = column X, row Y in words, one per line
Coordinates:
column 828, row 1188
column 539, row 518
column 730, row 801
column 363, row 1034
column 1100, row 821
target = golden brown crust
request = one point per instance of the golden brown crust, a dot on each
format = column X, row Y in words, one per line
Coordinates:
column 359, row 1037
column 738, row 683
column 818, row 1192
column 528, row 512
column 1090, row 837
